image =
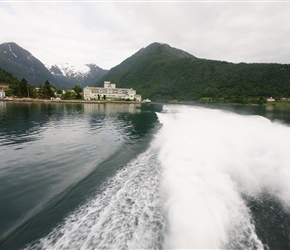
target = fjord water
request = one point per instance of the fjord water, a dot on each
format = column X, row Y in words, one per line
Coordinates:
column 95, row 176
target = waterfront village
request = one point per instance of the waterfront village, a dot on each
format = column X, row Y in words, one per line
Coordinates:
column 107, row 93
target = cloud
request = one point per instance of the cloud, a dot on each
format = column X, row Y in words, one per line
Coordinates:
column 106, row 33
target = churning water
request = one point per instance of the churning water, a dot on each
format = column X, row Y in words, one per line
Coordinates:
column 126, row 214
column 208, row 178
column 213, row 164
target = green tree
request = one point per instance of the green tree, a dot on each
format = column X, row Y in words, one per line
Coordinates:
column 23, row 89
column 47, row 90
column 59, row 91
column 78, row 90
column 14, row 89
column 32, row 92
column 69, row 96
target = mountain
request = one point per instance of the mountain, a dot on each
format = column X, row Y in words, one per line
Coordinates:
column 84, row 75
column 143, row 70
column 142, row 60
column 160, row 72
column 22, row 64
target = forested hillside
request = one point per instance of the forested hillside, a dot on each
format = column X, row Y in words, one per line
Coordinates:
column 160, row 72
column 8, row 78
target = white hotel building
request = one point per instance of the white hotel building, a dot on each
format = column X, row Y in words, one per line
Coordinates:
column 110, row 92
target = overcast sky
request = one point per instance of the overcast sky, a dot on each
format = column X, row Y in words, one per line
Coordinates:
column 106, row 33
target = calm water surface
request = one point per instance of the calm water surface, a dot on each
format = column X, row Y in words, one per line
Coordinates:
column 115, row 176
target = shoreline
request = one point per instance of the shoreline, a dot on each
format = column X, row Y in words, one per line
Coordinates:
column 34, row 100
column 268, row 104
column 65, row 101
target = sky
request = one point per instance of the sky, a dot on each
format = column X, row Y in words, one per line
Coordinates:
column 108, row 32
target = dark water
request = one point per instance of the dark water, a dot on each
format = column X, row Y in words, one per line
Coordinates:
column 144, row 176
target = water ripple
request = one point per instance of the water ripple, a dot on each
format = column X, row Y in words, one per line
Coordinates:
column 126, row 214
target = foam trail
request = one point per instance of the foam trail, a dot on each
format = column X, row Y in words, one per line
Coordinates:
column 187, row 190
column 210, row 159
column 126, row 214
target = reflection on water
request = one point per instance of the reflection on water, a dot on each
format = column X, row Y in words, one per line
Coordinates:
column 112, row 108
column 24, row 122
column 87, row 173
column 278, row 113
column 2, row 107
column 47, row 149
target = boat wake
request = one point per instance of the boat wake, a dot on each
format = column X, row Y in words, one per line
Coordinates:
column 189, row 189
column 212, row 161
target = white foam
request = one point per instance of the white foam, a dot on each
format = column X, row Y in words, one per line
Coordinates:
column 211, row 158
column 127, row 214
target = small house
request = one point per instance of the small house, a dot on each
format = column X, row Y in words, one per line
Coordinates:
column 270, row 99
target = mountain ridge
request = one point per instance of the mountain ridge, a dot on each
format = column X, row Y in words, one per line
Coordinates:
column 160, row 72
column 165, row 47
column 22, row 64
column 152, row 54
column 81, row 74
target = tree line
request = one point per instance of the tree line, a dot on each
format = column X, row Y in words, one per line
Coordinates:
column 23, row 88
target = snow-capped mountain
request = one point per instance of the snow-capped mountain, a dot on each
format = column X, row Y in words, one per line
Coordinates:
column 68, row 70
column 83, row 74
column 22, row 64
